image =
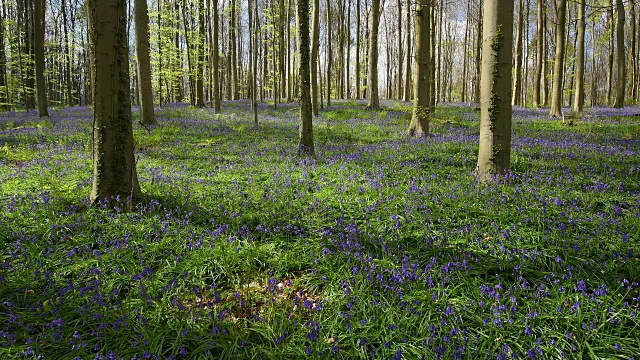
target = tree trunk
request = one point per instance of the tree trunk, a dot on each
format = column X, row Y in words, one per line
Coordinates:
column 495, row 121
column 199, row 83
column 305, row 144
column 372, row 72
column 234, row 58
column 38, row 19
column 610, row 54
column 558, row 66
column 622, row 66
column 476, row 94
column 329, row 52
column 4, row 88
column 315, row 39
column 634, row 44
column 147, row 114
column 517, row 79
column 399, row 46
column 357, row 70
column 539, row 52
column 578, row 101
column 419, row 125
column 216, row 59
column 114, row 168
column 407, row 72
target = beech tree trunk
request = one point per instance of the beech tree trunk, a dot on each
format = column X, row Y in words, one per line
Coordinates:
column 216, row 58
column 305, row 144
column 400, row 53
column 329, row 52
column 199, row 81
column 147, row 114
column 38, row 19
column 539, row 51
column 315, row 39
column 517, row 79
column 558, row 66
column 578, row 101
column 357, row 69
column 610, row 54
column 634, row 45
column 495, row 121
column 372, row 72
column 114, row 168
column 4, row 88
column 419, row 125
column 622, row 66
column 407, row 73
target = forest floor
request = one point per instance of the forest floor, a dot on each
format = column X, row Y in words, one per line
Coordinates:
column 382, row 246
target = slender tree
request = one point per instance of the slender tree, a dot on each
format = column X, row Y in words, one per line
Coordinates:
column 114, row 166
column 517, row 78
column 539, row 49
column 216, row 58
column 4, row 88
column 357, row 70
column 38, row 18
column 610, row 56
column 558, row 66
column 419, row 125
column 305, row 144
column 372, row 72
column 578, row 101
column 147, row 114
column 315, row 39
column 621, row 58
column 633, row 55
column 495, row 122
column 400, row 52
column 407, row 72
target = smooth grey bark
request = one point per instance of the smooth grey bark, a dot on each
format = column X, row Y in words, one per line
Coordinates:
column 634, row 45
column 621, row 60
column 315, row 40
column 578, row 100
column 4, row 88
column 558, row 66
column 199, row 81
column 372, row 72
column 419, row 125
column 38, row 19
column 610, row 56
column 114, row 166
column 399, row 45
column 147, row 113
column 329, row 52
column 357, row 69
column 517, row 79
column 305, row 143
column 539, row 50
column 494, row 152
column 407, row 73
column 216, row 58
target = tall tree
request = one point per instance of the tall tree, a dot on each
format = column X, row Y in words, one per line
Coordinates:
column 147, row 113
column 620, row 60
column 38, row 18
column 634, row 45
column 400, row 52
column 357, row 70
column 216, row 58
column 495, row 121
column 315, row 39
column 114, row 166
column 372, row 72
column 329, row 52
column 4, row 87
column 419, row 125
column 199, row 83
column 610, row 57
column 305, row 139
column 558, row 66
column 517, row 79
column 578, row 101
column 407, row 72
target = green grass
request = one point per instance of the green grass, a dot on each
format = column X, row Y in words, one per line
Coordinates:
column 381, row 245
